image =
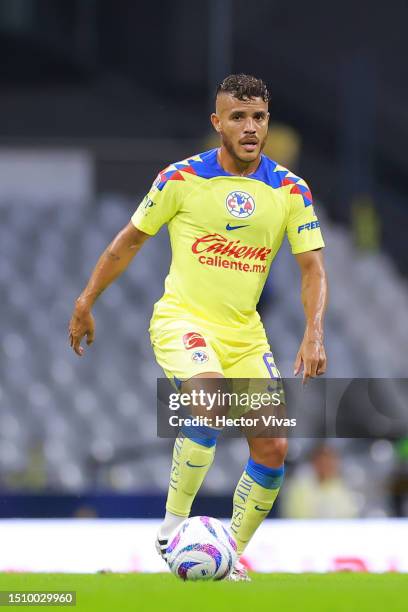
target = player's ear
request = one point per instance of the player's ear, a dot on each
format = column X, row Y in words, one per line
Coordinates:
column 215, row 120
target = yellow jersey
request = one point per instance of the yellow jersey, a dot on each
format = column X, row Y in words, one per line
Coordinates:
column 225, row 231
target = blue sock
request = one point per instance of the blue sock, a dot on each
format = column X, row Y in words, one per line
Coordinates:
column 201, row 434
column 270, row 478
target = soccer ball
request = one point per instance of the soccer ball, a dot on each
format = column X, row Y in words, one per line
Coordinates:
column 201, row 549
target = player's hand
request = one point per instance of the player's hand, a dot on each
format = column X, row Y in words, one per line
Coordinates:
column 82, row 324
column 312, row 357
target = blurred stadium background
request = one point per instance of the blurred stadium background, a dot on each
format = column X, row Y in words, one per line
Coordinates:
column 96, row 97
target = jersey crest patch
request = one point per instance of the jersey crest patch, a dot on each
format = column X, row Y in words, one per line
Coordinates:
column 199, row 356
column 240, row 204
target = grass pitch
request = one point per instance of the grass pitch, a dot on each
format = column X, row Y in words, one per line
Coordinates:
column 345, row 592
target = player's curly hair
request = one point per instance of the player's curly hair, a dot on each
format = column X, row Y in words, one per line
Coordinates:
column 243, row 86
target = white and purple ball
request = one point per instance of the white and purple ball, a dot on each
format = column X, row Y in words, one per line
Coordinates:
column 201, row 549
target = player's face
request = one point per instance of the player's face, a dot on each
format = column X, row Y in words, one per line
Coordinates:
column 242, row 125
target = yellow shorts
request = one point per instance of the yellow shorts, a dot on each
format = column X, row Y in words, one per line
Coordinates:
column 185, row 346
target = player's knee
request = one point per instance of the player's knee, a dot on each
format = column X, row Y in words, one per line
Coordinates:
column 280, row 449
column 269, row 451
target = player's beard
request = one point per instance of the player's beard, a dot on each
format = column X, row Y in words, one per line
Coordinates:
column 228, row 144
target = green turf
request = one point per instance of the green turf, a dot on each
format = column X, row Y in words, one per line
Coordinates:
column 343, row 592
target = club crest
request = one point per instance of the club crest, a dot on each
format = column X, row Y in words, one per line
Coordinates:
column 240, row 204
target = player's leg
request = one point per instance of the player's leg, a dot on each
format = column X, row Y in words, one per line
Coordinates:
column 193, row 454
column 258, row 487
column 262, row 477
column 187, row 356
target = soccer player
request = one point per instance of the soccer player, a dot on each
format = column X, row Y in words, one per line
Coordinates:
column 227, row 212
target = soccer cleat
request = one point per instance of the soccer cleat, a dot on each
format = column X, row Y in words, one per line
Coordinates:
column 161, row 547
column 239, row 573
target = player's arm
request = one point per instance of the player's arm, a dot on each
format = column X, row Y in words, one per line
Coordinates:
column 111, row 264
column 311, row 354
column 306, row 240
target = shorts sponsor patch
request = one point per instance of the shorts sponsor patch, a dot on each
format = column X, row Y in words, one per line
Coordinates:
column 193, row 340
